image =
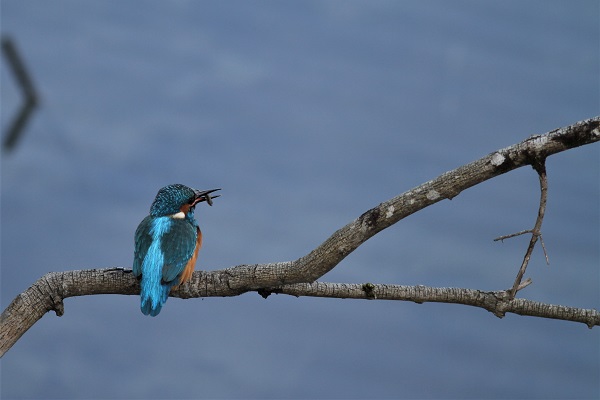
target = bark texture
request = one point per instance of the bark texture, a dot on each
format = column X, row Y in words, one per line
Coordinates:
column 298, row 277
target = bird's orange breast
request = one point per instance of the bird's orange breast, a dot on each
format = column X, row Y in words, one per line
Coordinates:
column 186, row 275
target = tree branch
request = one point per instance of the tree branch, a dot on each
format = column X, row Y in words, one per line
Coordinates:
column 536, row 232
column 498, row 302
column 24, row 81
column 284, row 277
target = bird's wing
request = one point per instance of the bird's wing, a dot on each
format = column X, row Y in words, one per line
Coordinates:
column 143, row 240
column 177, row 246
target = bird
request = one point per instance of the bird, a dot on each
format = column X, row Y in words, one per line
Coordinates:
column 167, row 243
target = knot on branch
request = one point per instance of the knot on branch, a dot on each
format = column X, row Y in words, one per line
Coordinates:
column 264, row 293
column 51, row 288
column 502, row 162
column 369, row 220
column 577, row 134
column 369, row 290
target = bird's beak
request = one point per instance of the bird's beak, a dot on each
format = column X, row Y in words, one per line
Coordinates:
column 204, row 195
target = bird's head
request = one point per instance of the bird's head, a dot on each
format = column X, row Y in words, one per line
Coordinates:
column 179, row 201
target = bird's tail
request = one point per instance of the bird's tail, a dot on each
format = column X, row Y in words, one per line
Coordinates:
column 153, row 294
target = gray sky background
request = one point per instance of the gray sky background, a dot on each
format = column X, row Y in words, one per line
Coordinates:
column 306, row 113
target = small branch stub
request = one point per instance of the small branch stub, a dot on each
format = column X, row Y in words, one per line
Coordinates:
column 369, row 290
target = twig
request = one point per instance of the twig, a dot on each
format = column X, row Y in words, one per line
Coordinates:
column 30, row 96
column 512, row 235
column 544, row 248
column 524, row 284
column 540, row 167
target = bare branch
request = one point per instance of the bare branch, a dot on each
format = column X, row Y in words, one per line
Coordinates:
column 544, row 249
column 498, row 302
column 446, row 186
column 512, row 235
column 49, row 291
column 524, row 284
column 536, row 232
column 31, row 101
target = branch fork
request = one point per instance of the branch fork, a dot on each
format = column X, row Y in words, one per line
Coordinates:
column 298, row 278
column 536, row 232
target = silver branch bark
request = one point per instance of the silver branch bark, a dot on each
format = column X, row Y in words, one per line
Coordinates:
column 299, row 277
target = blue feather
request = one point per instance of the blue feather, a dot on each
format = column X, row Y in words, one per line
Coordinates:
column 143, row 240
column 154, row 293
column 178, row 247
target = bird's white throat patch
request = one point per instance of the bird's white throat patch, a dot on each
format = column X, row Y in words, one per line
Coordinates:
column 179, row 215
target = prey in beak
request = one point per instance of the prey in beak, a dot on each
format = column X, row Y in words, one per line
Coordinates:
column 205, row 195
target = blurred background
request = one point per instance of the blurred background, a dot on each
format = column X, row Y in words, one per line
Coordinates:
column 306, row 113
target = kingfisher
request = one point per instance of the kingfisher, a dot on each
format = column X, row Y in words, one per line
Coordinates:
column 167, row 243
